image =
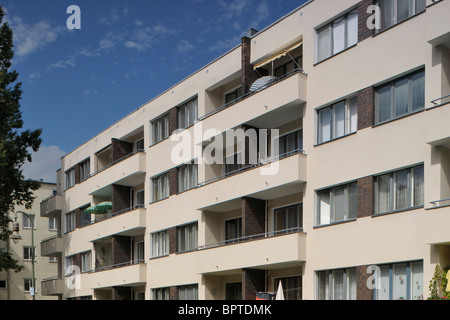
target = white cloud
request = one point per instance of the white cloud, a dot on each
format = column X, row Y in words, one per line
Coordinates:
column 184, row 46
column 44, row 164
column 31, row 38
column 63, row 64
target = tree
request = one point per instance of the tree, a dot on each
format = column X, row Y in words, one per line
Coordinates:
column 15, row 144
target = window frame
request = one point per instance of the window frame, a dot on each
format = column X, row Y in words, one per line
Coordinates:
column 162, row 184
column 70, row 223
column 85, row 170
column 187, row 176
column 187, row 232
column 28, row 223
column 160, row 244
column 183, row 117
column 330, row 280
column 410, row 192
column 86, row 261
column 70, row 178
column 392, row 97
column 299, row 214
column 160, row 128
column 348, row 215
column 412, row 8
column 28, row 252
column 349, row 127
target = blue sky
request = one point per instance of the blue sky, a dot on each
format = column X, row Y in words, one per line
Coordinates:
column 76, row 83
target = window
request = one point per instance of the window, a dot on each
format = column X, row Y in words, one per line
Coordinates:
column 233, row 95
column 71, row 265
column 337, row 36
column 52, row 224
column 288, row 67
column 85, row 170
column 400, row 281
column 289, row 217
column 337, row 204
column 337, row 284
column 400, row 97
column 233, row 163
column 29, row 221
column 140, row 198
column 233, row 291
column 395, row 11
column 187, row 177
column 140, row 145
column 161, row 294
column 140, row 251
column 338, row 120
column 70, row 221
column 291, row 142
column 27, row 284
column 187, row 237
column 160, row 129
column 160, row 244
column 86, row 261
column 3, row 284
column 187, row 114
column 161, row 187
column 188, row 292
column 70, row 178
column 399, row 190
column 28, row 253
column 292, row 287
column 233, row 229
column 53, row 259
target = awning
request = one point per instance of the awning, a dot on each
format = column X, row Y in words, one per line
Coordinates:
column 278, row 55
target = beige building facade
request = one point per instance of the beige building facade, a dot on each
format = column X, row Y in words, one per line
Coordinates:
column 18, row 286
column 346, row 200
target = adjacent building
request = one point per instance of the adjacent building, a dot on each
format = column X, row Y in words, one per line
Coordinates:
column 19, row 286
column 346, row 200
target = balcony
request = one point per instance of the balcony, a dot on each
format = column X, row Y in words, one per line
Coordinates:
column 126, row 222
column 438, row 24
column 52, row 206
column 127, row 171
column 286, row 248
column 52, row 247
column 133, row 273
column 263, row 180
column 286, row 92
column 52, row 287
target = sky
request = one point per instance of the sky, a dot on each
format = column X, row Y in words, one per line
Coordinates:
column 78, row 82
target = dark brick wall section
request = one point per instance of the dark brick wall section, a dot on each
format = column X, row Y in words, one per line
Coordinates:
column 366, row 190
column 173, row 120
column 173, row 181
column 120, row 149
column 366, row 108
column 173, row 240
column 121, row 293
column 173, row 293
column 248, row 74
column 363, row 31
column 77, row 173
column 78, row 218
column 120, row 198
column 253, row 216
column 121, row 249
column 363, row 292
column 253, row 281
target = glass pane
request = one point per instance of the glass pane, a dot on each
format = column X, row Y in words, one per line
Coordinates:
column 384, row 187
column 324, row 207
column 418, row 91
column 339, row 35
column 401, row 190
column 386, row 7
column 325, row 124
column 323, row 285
column 339, row 119
column 352, row 201
column 384, row 103
column 401, row 97
column 351, row 275
column 400, row 282
column 420, row 5
column 339, row 204
column 291, row 142
column 418, row 186
column 402, row 10
column 323, row 43
column 382, row 284
column 353, row 106
column 292, row 217
column 417, row 281
column 352, row 28
column 338, row 285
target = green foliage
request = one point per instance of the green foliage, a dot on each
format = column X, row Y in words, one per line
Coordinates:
column 438, row 284
column 15, row 143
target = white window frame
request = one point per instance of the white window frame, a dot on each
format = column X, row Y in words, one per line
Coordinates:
column 86, row 261
column 329, row 277
column 160, row 187
column 348, row 216
column 70, row 178
column 187, row 237
column 413, row 10
column 187, row 177
column 70, row 221
column 52, row 224
column 187, row 114
column 85, row 170
column 160, row 243
column 299, row 215
column 28, row 252
column 160, row 128
column 27, row 223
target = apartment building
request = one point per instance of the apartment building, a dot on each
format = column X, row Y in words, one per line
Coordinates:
column 32, row 230
column 352, row 206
